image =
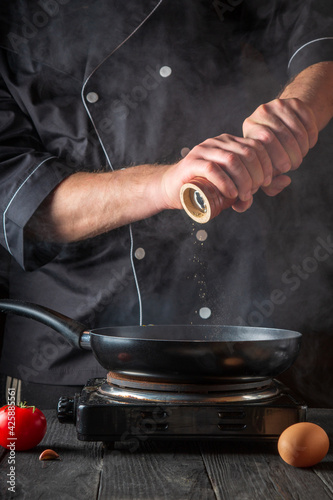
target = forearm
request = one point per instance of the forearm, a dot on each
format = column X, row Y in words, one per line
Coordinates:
column 314, row 87
column 87, row 204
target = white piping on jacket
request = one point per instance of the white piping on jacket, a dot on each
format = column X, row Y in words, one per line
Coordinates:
column 308, row 43
column 12, row 199
column 107, row 156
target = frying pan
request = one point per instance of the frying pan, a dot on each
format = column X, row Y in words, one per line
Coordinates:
column 205, row 354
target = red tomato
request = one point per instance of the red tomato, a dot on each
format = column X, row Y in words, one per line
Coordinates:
column 21, row 427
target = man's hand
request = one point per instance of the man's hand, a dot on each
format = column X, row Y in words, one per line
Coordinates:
column 288, row 129
column 289, row 126
column 276, row 138
column 86, row 204
column 236, row 166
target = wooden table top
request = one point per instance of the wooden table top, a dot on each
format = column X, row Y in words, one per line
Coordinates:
column 174, row 470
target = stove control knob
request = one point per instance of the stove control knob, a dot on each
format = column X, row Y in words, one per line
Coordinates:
column 66, row 410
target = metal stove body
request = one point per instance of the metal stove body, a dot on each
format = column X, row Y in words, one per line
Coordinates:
column 127, row 411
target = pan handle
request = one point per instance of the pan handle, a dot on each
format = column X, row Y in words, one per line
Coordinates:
column 69, row 328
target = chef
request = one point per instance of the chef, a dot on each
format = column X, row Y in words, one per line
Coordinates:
column 106, row 109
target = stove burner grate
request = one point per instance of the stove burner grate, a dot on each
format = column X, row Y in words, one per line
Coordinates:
column 129, row 390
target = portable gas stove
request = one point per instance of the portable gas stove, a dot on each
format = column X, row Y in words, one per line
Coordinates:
column 115, row 409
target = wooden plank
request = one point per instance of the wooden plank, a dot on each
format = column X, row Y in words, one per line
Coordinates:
column 158, row 470
column 324, row 470
column 3, row 453
column 75, row 476
column 255, row 471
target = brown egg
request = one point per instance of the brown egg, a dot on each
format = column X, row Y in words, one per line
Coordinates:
column 303, row 444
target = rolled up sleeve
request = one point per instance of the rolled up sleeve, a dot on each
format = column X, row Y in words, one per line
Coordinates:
column 311, row 39
column 27, row 175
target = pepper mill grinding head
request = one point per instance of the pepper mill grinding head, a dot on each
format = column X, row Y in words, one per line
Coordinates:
column 202, row 201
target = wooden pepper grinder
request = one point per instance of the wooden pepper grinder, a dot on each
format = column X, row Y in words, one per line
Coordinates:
column 202, row 201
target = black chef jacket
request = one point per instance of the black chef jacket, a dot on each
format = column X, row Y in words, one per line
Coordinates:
column 98, row 85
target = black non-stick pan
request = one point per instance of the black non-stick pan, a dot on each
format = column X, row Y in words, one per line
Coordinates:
column 202, row 354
